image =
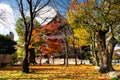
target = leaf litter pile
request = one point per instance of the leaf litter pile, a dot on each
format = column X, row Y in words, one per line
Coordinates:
column 53, row 72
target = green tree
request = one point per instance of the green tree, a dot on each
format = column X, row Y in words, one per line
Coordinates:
column 7, row 46
column 20, row 28
column 102, row 18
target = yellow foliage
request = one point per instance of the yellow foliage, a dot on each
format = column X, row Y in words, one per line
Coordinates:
column 79, row 31
column 30, row 46
column 82, row 35
column 74, row 12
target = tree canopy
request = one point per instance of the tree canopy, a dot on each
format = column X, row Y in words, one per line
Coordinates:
column 7, row 46
column 101, row 18
column 20, row 28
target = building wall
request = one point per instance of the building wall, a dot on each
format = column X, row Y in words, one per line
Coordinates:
column 5, row 58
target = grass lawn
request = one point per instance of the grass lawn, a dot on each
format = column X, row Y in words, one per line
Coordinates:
column 52, row 72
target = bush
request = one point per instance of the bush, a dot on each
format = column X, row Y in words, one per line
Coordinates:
column 7, row 46
column 115, row 78
column 14, row 58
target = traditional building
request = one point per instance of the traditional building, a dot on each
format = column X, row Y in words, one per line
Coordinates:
column 59, row 28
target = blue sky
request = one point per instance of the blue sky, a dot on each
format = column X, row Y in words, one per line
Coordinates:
column 13, row 4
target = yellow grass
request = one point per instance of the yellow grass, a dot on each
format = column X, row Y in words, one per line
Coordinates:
column 53, row 72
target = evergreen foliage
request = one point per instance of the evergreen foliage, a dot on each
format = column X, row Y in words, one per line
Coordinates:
column 7, row 46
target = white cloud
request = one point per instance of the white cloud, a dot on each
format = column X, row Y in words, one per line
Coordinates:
column 7, row 20
column 45, row 15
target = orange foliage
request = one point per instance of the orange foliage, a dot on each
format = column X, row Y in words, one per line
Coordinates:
column 50, row 45
column 50, row 28
column 53, row 45
column 46, row 50
column 34, row 32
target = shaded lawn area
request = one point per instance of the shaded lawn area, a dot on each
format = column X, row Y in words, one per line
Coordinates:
column 52, row 72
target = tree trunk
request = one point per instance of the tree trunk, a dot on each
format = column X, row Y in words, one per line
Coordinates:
column 74, row 52
column 40, row 59
column 97, row 58
column 66, row 54
column 64, row 60
column 111, row 44
column 27, row 37
column 32, row 56
column 81, row 55
column 100, row 35
column 95, row 52
column 66, row 49
column 53, row 59
column 25, row 64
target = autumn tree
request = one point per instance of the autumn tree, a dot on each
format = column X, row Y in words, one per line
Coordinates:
column 20, row 28
column 46, row 42
column 63, row 6
column 59, row 27
column 33, row 7
column 101, row 17
column 51, row 47
column 81, row 36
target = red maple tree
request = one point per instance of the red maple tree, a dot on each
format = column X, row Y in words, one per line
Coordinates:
column 50, row 45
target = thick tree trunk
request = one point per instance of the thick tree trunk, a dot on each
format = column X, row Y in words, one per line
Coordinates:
column 103, row 51
column 106, row 53
column 111, row 44
column 25, row 64
column 32, row 56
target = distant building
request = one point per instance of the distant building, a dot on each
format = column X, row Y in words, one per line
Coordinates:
column 11, row 35
column 57, row 27
column 5, row 59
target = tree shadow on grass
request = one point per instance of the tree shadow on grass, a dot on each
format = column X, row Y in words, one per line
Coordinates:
column 42, row 71
column 33, row 69
column 10, row 68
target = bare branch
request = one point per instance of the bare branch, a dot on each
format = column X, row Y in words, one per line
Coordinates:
column 21, row 9
column 36, row 4
column 34, row 13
